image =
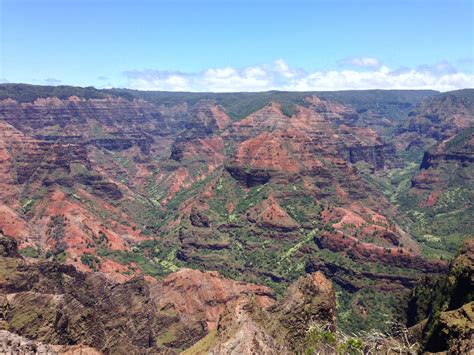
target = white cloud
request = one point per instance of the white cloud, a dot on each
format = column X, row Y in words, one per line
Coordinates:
column 280, row 76
column 364, row 62
column 159, row 80
column 284, row 69
column 52, row 81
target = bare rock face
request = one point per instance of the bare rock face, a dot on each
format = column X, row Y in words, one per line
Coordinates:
column 58, row 305
column 441, row 117
column 55, row 304
column 366, row 252
column 374, row 155
column 197, row 293
column 242, row 330
column 275, row 147
column 310, row 300
column 269, row 214
column 457, row 148
column 11, row 343
column 246, row 328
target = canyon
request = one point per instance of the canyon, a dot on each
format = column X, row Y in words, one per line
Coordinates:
column 202, row 220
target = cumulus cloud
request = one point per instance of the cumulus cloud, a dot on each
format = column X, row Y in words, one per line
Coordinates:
column 279, row 75
column 159, row 80
column 363, row 62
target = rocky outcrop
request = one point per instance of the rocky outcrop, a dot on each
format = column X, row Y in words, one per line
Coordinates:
column 447, row 303
column 11, row 343
column 209, row 116
column 377, row 156
column 8, row 247
column 249, row 177
column 442, row 116
column 367, row 252
column 428, row 180
column 458, row 148
column 454, row 331
column 246, row 328
column 56, row 304
column 433, row 160
column 194, row 293
column 39, row 159
column 34, row 116
column 447, row 166
column 310, row 300
column 273, row 146
column 243, row 330
column 353, row 280
column 199, row 219
column 270, row 215
column 196, row 240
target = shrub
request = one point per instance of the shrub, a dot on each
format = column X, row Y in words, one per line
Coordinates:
column 91, row 261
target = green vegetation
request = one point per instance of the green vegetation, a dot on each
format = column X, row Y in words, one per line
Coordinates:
column 317, row 337
column 459, row 142
column 442, row 296
column 56, row 227
column 91, row 261
column 302, row 207
column 58, row 255
column 361, row 310
column 149, row 257
column 439, row 227
column 203, row 345
column 330, row 340
column 30, row 252
column 235, row 244
column 29, row 199
column 29, row 93
column 251, row 198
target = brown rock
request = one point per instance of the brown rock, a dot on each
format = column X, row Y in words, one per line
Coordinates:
column 310, row 300
column 246, row 328
column 204, row 294
column 242, row 330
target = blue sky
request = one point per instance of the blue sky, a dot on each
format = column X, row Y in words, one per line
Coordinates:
column 231, row 45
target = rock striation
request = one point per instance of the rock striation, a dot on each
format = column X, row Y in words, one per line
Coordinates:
column 56, row 304
column 246, row 328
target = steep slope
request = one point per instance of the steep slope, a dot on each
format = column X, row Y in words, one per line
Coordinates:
column 438, row 118
column 448, row 305
column 435, row 192
column 443, row 189
column 77, row 172
column 262, row 186
column 56, row 304
column 11, row 343
column 246, row 328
